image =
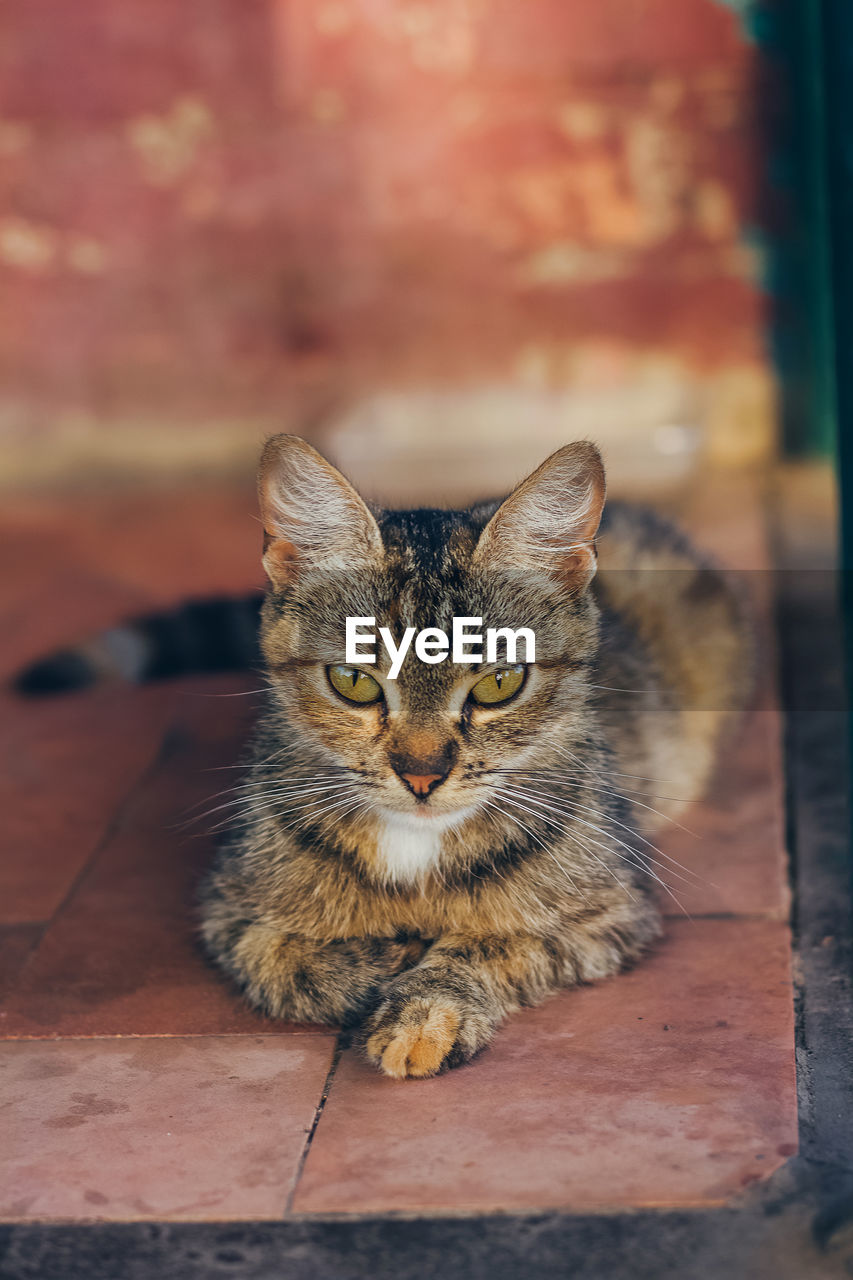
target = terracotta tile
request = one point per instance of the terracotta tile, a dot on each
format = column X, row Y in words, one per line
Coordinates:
column 65, row 766
column 157, row 544
column 178, row 543
column 72, row 566
column 730, row 848
column 173, row 1130
column 122, row 958
column 669, row 1085
column 51, row 593
column 57, row 605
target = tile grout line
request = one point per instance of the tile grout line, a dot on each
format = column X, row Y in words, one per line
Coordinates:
column 111, row 827
column 341, row 1043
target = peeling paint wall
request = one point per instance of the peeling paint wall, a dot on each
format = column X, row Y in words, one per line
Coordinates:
column 227, row 216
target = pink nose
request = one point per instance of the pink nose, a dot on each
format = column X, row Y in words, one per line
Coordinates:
column 422, row 783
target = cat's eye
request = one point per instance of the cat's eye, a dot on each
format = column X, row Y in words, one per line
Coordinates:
column 499, row 686
column 354, row 685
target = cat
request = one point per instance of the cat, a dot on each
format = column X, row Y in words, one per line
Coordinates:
column 418, row 858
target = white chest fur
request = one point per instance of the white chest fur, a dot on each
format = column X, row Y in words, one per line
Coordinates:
column 408, row 847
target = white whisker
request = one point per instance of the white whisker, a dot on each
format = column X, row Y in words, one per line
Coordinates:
column 636, row 834
column 610, row 688
column 277, row 811
column 540, row 842
column 243, row 693
column 269, row 793
column 639, row 865
column 581, row 781
column 564, row 750
column 575, row 807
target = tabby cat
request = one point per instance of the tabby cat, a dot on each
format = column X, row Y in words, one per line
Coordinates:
column 420, row 857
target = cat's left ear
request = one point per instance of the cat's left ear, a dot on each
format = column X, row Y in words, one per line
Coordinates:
column 312, row 516
column 550, row 520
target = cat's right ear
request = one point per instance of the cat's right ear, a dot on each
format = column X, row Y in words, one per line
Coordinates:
column 550, row 520
column 312, row 516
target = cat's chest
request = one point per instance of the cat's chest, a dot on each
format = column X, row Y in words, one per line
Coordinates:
column 405, row 851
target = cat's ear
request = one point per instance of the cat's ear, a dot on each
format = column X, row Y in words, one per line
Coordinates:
column 550, row 520
column 312, row 516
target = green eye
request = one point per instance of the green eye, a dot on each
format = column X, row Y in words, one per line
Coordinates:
column 500, row 686
column 354, row 685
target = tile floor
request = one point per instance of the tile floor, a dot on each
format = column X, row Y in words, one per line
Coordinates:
column 134, row 1084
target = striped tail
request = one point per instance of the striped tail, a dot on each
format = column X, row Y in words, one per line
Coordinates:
column 201, row 636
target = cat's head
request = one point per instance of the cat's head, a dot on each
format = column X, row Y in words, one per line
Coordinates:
column 428, row 745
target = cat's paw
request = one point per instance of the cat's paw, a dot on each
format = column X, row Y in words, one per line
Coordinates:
column 422, row 1034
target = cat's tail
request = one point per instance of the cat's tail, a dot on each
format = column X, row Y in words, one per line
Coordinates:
column 200, row 636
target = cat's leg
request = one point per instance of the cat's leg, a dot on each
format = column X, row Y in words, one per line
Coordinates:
column 306, row 980
column 443, row 1011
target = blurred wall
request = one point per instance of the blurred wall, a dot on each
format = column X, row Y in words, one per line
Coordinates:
column 404, row 228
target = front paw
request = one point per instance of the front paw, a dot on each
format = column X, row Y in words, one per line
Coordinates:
column 423, row 1028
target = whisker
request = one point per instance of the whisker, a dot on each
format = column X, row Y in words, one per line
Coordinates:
column 581, row 781
column 576, row 807
column 259, row 764
column 555, row 779
column 289, row 783
column 272, row 789
column 639, row 836
column 358, row 804
column 252, row 811
column 578, row 840
column 243, row 693
column 347, row 804
column 561, row 827
column 541, row 843
column 289, row 749
column 264, row 785
column 269, row 794
column 611, row 688
column 280, row 810
column 589, row 769
column 640, row 865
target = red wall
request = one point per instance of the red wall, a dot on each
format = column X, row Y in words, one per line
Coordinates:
column 222, row 215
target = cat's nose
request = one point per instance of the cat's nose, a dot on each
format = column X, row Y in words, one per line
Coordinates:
column 423, row 771
column 422, row 783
